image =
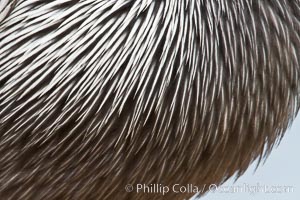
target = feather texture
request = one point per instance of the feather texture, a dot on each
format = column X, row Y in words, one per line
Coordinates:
column 97, row 94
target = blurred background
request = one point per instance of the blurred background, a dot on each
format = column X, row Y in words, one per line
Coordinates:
column 281, row 169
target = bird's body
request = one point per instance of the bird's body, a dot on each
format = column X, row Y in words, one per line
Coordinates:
column 98, row 94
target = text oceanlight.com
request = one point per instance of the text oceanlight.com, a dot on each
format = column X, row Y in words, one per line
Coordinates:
column 190, row 188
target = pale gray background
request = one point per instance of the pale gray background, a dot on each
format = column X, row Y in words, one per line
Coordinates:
column 280, row 169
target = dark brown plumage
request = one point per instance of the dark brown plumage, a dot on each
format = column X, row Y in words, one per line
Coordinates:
column 97, row 94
